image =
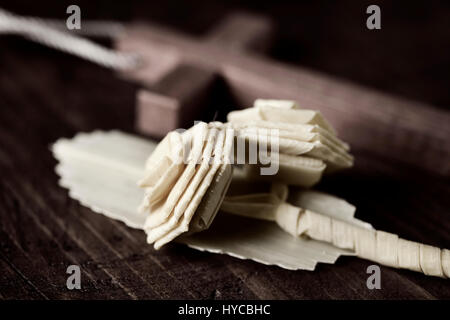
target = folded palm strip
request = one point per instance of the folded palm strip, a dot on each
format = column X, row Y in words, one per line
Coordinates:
column 189, row 173
column 186, row 179
column 100, row 169
column 308, row 145
column 378, row 246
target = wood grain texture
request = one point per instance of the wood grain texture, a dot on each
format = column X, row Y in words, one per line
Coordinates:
column 46, row 95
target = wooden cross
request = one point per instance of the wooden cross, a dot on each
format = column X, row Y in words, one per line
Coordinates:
column 180, row 72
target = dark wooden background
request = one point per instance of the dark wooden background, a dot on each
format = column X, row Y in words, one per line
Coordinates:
column 45, row 95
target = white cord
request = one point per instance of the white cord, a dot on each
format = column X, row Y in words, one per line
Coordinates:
column 49, row 33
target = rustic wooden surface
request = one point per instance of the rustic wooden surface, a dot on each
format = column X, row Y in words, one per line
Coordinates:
column 45, row 95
